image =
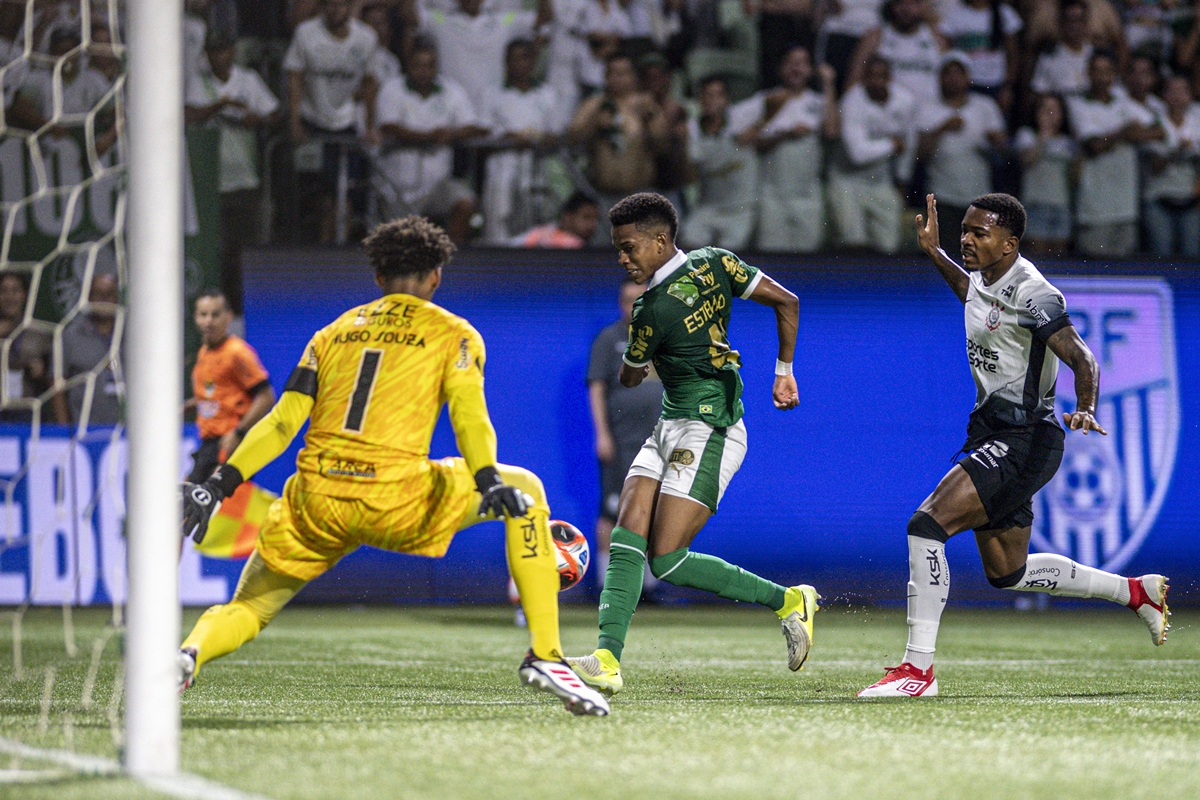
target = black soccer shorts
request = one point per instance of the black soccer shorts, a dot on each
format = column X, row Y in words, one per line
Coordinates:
column 1008, row 468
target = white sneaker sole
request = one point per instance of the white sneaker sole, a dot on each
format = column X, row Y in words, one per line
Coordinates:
column 576, row 701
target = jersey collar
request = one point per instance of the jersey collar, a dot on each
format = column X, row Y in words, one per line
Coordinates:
column 663, row 272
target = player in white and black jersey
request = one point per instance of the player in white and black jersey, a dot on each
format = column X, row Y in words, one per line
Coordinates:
column 1017, row 331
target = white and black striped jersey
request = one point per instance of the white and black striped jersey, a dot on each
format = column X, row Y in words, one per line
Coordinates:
column 1008, row 324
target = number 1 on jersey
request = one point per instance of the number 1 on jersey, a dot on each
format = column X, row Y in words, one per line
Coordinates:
column 364, row 386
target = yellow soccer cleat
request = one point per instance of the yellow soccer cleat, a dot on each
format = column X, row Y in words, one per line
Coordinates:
column 600, row 670
column 799, row 608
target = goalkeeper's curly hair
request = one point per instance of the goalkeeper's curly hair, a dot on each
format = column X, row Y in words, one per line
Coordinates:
column 409, row 245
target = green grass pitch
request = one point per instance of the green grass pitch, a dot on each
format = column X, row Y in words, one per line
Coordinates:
column 424, row 703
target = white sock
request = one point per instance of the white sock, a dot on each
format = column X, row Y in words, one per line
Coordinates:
column 928, row 589
column 1062, row 577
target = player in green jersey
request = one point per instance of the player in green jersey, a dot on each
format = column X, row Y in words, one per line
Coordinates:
column 675, row 483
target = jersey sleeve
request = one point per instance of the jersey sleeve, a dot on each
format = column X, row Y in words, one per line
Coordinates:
column 1043, row 311
column 462, row 383
column 743, row 278
column 248, row 369
column 304, row 377
column 645, row 336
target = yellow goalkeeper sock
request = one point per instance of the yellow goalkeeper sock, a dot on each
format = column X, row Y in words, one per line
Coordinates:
column 261, row 593
column 533, row 565
column 221, row 630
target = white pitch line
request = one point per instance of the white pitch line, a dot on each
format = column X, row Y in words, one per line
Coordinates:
column 185, row 786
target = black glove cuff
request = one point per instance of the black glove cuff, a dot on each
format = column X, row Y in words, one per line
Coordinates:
column 486, row 478
column 227, row 479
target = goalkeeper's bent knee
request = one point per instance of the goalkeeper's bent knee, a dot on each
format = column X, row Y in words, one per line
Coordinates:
column 527, row 482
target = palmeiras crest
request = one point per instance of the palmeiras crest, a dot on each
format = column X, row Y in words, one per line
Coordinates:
column 1104, row 500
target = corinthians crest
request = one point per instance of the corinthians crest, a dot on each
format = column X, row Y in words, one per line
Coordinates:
column 1106, row 496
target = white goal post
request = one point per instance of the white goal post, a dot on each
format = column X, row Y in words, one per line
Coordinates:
column 154, row 382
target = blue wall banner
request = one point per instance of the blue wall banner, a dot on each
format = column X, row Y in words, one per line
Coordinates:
column 825, row 491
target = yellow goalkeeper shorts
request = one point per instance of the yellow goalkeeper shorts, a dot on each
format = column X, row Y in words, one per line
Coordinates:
column 306, row 533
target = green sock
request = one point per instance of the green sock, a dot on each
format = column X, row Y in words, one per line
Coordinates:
column 684, row 568
column 622, row 588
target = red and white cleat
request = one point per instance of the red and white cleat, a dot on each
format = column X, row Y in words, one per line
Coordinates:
column 1148, row 599
column 558, row 679
column 187, row 668
column 903, row 681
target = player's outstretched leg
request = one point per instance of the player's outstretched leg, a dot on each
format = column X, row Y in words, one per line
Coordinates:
column 676, row 523
column 534, row 569
column 1060, row 576
column 261, row 593
column 928, row 590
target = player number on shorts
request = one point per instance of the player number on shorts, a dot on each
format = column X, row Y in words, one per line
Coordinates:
column 364, row 385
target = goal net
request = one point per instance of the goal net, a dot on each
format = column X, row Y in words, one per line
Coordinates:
column 62, row 315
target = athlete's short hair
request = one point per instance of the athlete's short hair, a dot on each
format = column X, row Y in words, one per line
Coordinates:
column 409, row 245
column 212, row 293
column 643, row 210
column 1010, row 214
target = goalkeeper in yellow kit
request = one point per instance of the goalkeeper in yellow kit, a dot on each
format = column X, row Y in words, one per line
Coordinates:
column 373, row 383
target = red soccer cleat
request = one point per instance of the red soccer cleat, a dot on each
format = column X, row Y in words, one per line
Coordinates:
column 1148, row 599
column 904, row 681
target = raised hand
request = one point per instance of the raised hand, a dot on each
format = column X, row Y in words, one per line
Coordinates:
column 927, row 227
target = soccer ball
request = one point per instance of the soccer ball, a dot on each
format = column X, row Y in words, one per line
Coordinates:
column 571, row 549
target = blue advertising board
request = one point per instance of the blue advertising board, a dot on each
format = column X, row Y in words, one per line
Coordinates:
column 826, row 490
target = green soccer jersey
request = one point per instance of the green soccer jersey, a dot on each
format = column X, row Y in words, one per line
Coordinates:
column 681, row 323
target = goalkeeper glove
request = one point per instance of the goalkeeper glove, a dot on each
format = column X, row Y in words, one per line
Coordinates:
column 201, row 500
column 499, row 498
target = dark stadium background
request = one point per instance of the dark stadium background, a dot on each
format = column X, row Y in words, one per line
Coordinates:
column 825, row 492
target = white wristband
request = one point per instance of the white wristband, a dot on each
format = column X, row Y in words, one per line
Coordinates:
column 783, row 368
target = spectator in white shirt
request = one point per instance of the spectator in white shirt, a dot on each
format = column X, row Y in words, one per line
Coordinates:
column 195, row 32
column 384, row 64
column 523, row 119
column 240, row 105
column 986, row 31
column 912, row 48
column 1047, row 154
column 868, row 177
column 1148, row 26
column 958, row 134
column 786, row 128
column 726, row 173
column 1062, row 70
column 1103, row 26
column 1142, row 80
column 471, row 42
column 421, row 118
column 327, row 66
column 82, row 88
column 843, row 27
column 1170, row 202
column 1108, row 127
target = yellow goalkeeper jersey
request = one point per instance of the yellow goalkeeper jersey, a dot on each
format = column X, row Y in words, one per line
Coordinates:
column 378, row 376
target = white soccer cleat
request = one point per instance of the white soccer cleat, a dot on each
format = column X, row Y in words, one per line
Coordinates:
column 904, row 681
column 561, row 681
column 187, row 668
column 1148, row 599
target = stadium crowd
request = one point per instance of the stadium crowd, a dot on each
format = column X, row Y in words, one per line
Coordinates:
column 774, row 125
